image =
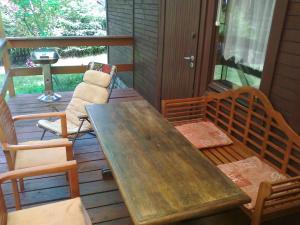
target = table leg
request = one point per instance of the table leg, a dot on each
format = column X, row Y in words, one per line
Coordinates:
column 106, row 173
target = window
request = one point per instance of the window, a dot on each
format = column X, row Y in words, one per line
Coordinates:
column 244, row 28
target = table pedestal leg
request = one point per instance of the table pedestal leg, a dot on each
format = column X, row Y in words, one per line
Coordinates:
column 106, row 173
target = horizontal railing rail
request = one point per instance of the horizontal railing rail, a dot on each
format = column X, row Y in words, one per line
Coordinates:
column 24, row 71
column 66, row 41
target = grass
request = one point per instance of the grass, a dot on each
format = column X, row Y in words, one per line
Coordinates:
column 233, row 77
column 35, row 84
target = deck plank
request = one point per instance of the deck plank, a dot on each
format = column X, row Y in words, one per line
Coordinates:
column 101, row 197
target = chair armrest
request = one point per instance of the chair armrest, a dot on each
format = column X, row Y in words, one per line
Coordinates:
column 61, row 115
column 46, row 144
column 40, row 116
column 69, row 166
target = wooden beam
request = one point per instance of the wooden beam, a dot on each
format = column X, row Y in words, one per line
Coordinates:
column 36, row 42
column 274, row 44
column 22, row 71
column 4, row 87
column 2, row 47
column 6, row 60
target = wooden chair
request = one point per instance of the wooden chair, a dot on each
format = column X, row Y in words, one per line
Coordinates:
column 96, row 88
column 257, row 129
column 68, row 212
column 31, row 153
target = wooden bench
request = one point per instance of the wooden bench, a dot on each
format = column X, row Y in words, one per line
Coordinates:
column 248, row 118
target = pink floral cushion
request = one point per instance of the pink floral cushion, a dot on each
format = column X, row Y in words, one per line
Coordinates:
column 204, row 134
column 249, row 173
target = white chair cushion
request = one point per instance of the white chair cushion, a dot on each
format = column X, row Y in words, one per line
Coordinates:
column 85, row 93
column 91, row 93
column 56, row 127
column 69, row 212
column 39, row 157
column 97, row 78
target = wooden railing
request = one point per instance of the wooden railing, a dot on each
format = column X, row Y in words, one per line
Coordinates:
column 7, row 76
column 8, row 43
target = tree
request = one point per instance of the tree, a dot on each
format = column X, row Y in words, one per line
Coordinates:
column 31, row 17
column 80, row 18
column 53, row 17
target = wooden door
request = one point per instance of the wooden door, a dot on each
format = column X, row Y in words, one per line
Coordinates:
column 181, row 31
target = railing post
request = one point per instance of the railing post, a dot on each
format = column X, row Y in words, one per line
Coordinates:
column 6, row 62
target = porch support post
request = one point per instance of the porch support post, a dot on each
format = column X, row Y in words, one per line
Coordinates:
column 6, row 62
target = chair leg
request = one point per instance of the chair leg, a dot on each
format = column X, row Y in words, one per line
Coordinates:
column 22, row 186
column 16, row 194
column 67, row 177
column 43, row 135
column 78, row 131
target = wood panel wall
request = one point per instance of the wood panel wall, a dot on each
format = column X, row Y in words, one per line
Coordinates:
column 140, row 19
column 284, row 87
column 146, row 28
column 120, row 22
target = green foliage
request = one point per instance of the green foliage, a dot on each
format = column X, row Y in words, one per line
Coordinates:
column 79, row 19
column 31, row 17
column 35, row 84
column 52, row 18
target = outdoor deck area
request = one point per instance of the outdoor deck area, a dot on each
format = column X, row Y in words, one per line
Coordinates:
column 101, row 198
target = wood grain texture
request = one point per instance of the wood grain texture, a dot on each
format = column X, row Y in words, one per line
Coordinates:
column 100, row 197
column 161, row 176
column 35, row 42
column 23, row 71
column 146, row 26
column 249, row 119
column 120, row 22
column 282, row 62
column 182, row 32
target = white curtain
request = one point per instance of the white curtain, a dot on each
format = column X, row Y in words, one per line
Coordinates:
column 247, row 33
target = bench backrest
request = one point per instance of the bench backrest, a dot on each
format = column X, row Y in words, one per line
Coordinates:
column 247, row 116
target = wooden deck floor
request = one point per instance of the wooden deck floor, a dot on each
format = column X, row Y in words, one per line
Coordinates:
column 101, row 197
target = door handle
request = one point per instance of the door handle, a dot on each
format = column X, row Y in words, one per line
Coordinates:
column 190, row 58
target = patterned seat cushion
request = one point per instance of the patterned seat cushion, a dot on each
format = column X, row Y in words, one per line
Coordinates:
column 204, row 134
column 249, row 173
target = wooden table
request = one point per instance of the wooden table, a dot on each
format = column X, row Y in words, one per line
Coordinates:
column 161, row 176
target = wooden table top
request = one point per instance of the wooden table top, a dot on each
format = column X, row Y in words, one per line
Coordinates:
column 161, row 176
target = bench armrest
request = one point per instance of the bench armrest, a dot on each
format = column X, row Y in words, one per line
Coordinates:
column 186, row 110
column 61, row 115
column 276, row 196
